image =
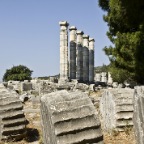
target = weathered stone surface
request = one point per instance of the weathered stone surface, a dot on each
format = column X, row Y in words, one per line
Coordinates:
column 138, row 117
column 91, row 59
column 79, row 74
column 24, row 97
column 13, row 85
column 82, row 87
column 73, row 38
column 47, row 87
column 69, row 118
column 85, row 58
column 12, row 119
column 26, row 86
column 63, row 50
column 116, row 107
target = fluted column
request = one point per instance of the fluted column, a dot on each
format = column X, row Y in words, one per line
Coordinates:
column 91, row 59
column 79, row 73
column 85, row 58
column 73, row 52
column 63, row 50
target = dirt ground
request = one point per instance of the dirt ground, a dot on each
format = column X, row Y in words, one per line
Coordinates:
column 34, row 132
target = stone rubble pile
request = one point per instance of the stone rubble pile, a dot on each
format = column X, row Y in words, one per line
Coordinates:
column 69, row 118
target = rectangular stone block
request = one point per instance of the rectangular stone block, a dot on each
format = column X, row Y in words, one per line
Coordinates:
column 116, row 107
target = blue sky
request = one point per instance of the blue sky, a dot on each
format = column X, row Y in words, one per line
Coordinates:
column 29, row 32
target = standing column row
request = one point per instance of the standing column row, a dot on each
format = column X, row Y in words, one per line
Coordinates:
column 81, row 54
column 63, row 50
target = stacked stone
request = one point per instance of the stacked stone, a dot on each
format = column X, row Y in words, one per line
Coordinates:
column 63, row 50
column 73, row 52
column 91, row 59
column 116, row 107
column 79, row 74
column 138, row 117
column 85, row 58
column 12, row 119
column 69, row 118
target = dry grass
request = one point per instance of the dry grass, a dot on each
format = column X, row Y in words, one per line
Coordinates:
column 119, row 138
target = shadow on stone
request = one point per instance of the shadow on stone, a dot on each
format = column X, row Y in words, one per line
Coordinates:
column 32, row 135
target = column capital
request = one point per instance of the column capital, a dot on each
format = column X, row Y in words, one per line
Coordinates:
column 79, row 32
column 91, row 39
column 85, row 36
column 72, row 28
column 63, row 23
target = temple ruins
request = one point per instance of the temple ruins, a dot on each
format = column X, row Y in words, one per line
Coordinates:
column 80, row 64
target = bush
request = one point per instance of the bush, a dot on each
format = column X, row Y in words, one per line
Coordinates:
column 17, row 73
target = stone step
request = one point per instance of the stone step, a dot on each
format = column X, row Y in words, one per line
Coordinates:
column 124, row 108
column 20, row 135
column 14, row 129
column 82, row 137
column 124, row 123
column 124, row 115
column 15, row 122
column 75, row 125
column 12, row 106
column 72, row 114
column 11, row 114
column 4, row 95
column 9, row 100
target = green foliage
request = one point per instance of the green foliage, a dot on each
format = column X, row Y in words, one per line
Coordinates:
column 126, row 31
column 119, row 75
column 103, row 68
column 17, row 73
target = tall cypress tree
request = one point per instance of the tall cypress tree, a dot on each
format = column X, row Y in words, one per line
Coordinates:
column 125, row 20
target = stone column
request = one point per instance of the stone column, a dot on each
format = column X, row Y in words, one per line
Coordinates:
column 79, row 73
column 91, row 59
column 85, row 58
column 63, row 50
column 72, row 52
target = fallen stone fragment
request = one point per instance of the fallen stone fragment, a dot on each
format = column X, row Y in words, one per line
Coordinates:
column 69, row 118
column 12, row 118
